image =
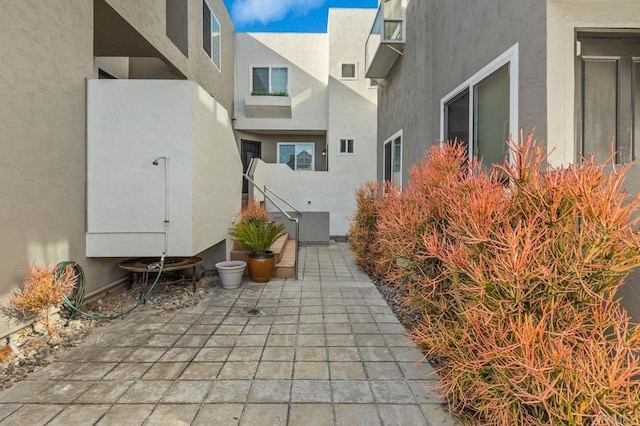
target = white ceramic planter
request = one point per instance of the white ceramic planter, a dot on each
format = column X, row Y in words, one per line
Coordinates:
column 230, row 273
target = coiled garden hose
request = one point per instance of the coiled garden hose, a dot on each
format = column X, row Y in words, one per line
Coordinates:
column 73, row 301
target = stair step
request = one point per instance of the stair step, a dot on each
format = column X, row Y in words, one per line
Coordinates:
column 279, row 245
column 285, row 253
column 286, row 267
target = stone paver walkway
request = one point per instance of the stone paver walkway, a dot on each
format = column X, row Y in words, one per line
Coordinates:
column 325, row 350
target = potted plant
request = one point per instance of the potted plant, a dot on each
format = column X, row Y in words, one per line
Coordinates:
column 256, row 234
column 230, row 273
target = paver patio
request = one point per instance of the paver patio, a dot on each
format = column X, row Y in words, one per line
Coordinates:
column 325, row 350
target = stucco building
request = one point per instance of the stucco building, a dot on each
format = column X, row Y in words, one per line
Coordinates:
column 101, row 100
column 125, row 125
column 481, row 70
column 304, row 106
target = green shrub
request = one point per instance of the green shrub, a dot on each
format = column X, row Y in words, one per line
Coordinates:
column 516, row 283
column 256, row 236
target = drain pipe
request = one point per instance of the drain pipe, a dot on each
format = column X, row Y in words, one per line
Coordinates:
column 166, row 201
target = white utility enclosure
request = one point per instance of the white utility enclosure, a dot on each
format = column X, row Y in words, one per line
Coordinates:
column 195, row 185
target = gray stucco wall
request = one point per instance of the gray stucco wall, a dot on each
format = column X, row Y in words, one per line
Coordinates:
column 447, row 43
column 403, row 97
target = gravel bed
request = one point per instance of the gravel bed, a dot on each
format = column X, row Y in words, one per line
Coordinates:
column 33, row 348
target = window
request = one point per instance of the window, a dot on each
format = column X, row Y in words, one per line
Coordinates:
column 608, row 95
column 482, row 112
column 211, row 34
column 298, row 156
column 273, row 81
column 372, row 83
column 393, row 160
column 346, row 146
column 348, row 71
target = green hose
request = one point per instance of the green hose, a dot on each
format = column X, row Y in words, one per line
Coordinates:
column 73, row 301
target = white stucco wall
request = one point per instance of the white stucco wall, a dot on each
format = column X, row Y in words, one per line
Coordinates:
column 563, row 17
column 217, row 172
column 306, row 57
column 352, row 114
column 130, row 123
column 350, row 109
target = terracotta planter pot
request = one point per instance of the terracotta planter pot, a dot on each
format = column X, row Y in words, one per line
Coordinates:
column 261, row 266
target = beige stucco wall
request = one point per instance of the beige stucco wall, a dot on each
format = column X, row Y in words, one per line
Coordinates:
column 306, row 57
column 563, row 17
column 47, row 54
column 46, row 57
column 148, row 18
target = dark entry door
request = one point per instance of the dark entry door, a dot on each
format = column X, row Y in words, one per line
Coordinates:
column 608, row 95
column 249, row 150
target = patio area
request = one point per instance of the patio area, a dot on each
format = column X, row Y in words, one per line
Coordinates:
column 323, row 350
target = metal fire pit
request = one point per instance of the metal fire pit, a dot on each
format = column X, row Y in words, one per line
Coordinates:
column 151, row 265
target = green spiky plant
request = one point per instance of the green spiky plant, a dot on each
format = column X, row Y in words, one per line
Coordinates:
column 257, row 236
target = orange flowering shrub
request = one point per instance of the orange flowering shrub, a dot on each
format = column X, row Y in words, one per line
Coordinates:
column 41, row 290
column 515, row 270
column 363, row 239
column 253, row 212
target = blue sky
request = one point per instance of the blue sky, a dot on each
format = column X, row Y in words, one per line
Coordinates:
column 286, row 15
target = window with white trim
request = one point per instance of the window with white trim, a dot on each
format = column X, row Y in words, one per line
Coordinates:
column 483, row 111
column 348, row 71
column 346, row 146
column 272, row 81
column 298, row 156
column 211, row 39
column 392, row 162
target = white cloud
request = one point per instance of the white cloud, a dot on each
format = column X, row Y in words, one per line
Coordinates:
column 265, row 11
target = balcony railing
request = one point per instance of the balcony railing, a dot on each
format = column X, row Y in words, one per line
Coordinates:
column 386, row 39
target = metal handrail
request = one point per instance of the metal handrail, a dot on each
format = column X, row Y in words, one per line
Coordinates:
column 287, row 215
column 267, row 189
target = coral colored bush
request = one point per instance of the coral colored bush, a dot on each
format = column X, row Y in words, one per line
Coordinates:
column 41, row 290
column 515, row 270
column 253, row 212
column 362, row 232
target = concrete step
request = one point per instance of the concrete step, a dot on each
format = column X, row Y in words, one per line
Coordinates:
column 286, row 267
column 285, row 253
column 278, row 246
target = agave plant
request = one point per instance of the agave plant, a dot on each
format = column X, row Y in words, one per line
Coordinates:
column 257, row 236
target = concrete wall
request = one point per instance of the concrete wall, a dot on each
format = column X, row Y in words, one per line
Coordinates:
column 352, row 114
column 306, row 56
column 346, row 108
column 117, row 67
column 148, row 17
column 47, row 54
column 436, row 62
column 126, row 192
column 405, row 96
